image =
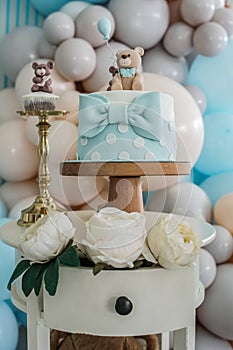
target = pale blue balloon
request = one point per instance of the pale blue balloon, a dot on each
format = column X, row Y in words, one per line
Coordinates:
column 7, row 265
column 214, row 76
column 217, row 185
column 104, row 27
column 9, row 331
column 216, row 155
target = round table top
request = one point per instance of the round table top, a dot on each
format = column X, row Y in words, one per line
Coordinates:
column 124, row 169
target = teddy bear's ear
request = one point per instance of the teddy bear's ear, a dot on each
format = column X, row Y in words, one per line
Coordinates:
column 118, row 53
column 35, row 65
column 139, row 50
column 50, row 64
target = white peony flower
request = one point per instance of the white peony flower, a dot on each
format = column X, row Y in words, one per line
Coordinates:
column 173, row 243
column 47, row 238
column 114, row 237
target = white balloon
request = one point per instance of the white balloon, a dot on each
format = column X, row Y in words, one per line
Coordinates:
column 207, row 267
column 198, row 11
column 12, row 192
column 157, row 60
column 198, row 96
column 74, row 8
column 140, row 22
column 184, row 198
column 46, row 49
column 208, row 341
column 58, row 27
column 9, row 105
column 178, row 39
column 224, row 17
column 222, row 246
column 215, row 313
column 219, row 4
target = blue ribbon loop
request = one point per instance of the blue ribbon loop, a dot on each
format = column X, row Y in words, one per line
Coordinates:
column 96, row 112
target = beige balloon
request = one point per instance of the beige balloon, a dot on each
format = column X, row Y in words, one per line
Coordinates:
column 223, row 211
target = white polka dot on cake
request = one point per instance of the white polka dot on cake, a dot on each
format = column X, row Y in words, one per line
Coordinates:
column 171, row 126
column 84, row 141
column 150, row 156
column 110, row 138
column 138, row 142
column 163, row 144
column 123, row 128
column 95, row 156
column 124, row 155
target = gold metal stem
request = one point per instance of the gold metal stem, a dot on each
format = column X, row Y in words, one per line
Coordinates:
column 43, row 202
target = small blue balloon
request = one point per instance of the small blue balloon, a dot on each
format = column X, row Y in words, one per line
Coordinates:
column 217, row 185
column 9, row 331
column 104, row 27
column 198, row 177
column 20, row 315
column 216, row 155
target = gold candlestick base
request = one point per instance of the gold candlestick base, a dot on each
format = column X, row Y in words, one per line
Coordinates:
column 43, row 203
column 36, row 210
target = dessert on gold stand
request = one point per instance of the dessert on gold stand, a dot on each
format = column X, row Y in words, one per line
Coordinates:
column 41, row 104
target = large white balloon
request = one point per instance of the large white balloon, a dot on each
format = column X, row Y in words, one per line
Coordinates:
column 74, row 8
column 75, row 59
column 18, row 48
column 58, row 27
column 215, row 313
column 24, row 81
column 140, row 22
column 178, row 39
column 198, row 11
column 86, row 24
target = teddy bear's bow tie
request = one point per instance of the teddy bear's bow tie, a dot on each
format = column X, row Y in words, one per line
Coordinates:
column 96, row 112
column 127, row 72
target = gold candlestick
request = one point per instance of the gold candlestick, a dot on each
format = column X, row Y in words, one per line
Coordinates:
column 43, row 202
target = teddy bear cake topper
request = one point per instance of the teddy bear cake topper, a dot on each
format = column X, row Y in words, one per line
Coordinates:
column 42, row 77
column 126, row 63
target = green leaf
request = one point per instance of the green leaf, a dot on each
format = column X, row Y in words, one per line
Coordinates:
column 39, row 279
column 51, row 277
column 30, row 277
column 69, row 257
column 22, row 266
column 138, row 263
column 98, row 268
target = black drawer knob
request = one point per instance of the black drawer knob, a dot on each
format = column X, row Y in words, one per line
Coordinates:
column 123, row 306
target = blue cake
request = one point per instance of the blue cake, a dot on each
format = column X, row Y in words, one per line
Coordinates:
column 126, row 125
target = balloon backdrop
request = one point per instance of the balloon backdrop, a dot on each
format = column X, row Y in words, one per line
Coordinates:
column 7, row 265
column 8, row 328
column 197, row 12
column 178, row 39
column 46, row 7
column 74, row 8
column 58, row 27
column 215, row 313
column 45, row 49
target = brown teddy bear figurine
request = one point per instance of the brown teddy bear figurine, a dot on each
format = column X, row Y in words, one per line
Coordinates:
column 127, row 76
column 42, row 79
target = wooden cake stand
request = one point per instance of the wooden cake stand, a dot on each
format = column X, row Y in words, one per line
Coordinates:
column 125, row 190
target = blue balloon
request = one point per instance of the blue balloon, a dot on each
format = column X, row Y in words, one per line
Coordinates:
column 9, row 331
column 20, row 315
column 7, row 264
column 3, row 209
column 216, row 155
column 214, row 76
column 48, row 6
column 197, row 177
column 97, row 1
column 104, row 27
column 217, row 185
